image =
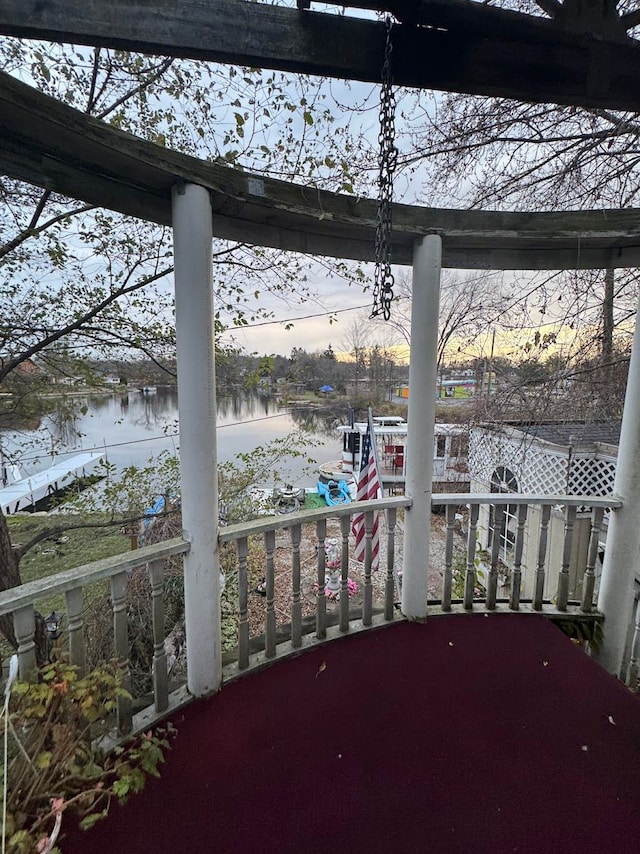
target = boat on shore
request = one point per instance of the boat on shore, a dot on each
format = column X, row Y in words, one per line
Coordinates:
column 390, row 433
column 450, row 469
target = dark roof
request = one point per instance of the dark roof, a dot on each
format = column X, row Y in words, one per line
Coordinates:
column 574, row 432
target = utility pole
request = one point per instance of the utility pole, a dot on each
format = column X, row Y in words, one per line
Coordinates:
column 493, row 344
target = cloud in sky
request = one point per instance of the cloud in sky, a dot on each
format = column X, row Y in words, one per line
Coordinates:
column 310, row 334
column 311, row 324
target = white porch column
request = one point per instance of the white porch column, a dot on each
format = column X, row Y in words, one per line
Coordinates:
column 425, row 299
column 192, row 238
column 622, row 552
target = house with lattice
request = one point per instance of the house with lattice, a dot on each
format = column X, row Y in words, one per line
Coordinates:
column 568, row 458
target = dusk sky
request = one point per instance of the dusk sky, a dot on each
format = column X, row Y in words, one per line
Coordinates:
column 314, row 333
column 312, row 329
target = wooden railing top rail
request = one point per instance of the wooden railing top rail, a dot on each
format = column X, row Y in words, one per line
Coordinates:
column 25, row 594
column 303, row 517
column 504, row 498
column 286, row 520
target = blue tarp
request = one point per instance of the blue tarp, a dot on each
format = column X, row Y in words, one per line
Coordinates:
column 334, row 493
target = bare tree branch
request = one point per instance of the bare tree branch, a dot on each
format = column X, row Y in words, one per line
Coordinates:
column 32, row 231
column 11, row 364
column 58, row 530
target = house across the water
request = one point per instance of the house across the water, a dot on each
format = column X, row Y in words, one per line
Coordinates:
column 458, row 388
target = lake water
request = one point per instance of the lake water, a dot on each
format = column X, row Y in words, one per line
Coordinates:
column 135, row 427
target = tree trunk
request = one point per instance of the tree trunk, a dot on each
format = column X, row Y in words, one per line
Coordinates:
column 10, row 577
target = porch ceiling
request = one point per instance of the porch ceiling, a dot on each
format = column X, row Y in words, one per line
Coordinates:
column 570, row 53
column 48, row 144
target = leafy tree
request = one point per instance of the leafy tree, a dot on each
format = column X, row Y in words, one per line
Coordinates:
column 265, row 368
column 78, row 280
column 329, row 354
column 72, row 270
column 231, row 368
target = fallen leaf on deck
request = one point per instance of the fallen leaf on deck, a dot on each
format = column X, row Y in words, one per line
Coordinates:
column 545, row 663
column 322, row 667
column 611, row 720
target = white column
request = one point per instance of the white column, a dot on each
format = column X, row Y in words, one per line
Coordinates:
column 425, row 299
column 192, row 237
column 622, row 552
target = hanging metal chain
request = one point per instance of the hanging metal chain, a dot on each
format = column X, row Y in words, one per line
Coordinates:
column 383, row 281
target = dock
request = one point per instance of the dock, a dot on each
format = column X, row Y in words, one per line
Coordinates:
column 25, row 493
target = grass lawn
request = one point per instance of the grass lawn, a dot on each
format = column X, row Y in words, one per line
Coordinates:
column 65, row 551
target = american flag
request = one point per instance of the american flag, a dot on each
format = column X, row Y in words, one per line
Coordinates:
column 368, row 488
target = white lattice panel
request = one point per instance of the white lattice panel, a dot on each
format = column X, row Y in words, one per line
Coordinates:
column 537, row 468
column 544, row 472
column 489, row 449
column 480, row 457
column 591, row 476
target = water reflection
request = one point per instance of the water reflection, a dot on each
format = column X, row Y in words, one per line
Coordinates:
column 235, row 407
column 322, row 421
column 134, row 427
column 61, row 423
column 152, row 410
column 98, row 402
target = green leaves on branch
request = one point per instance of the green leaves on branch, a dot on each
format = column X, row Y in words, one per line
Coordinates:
column 57, row 766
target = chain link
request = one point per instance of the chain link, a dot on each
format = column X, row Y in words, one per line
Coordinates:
column 383, row 280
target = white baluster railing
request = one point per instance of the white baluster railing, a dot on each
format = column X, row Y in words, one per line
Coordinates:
column 22, row 602
column 283, row 632
column 496, row 588
column 564, row 586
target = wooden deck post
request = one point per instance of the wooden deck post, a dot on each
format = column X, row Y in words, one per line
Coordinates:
column 616, row 598
column 425, row 299
column 192, row 230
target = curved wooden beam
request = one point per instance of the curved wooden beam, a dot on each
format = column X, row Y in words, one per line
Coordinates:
column 48, row 144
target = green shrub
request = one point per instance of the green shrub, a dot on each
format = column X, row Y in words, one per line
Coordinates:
column 57, row 765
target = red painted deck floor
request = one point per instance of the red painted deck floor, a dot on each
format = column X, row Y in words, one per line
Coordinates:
column 464, row 734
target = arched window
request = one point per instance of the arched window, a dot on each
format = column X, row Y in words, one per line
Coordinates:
column 504, row 480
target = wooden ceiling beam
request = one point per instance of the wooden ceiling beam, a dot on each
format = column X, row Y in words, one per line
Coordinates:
column 600, row 19
column 631, row 19
column 458, row 15
column 467, row 47
column 50, row 145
